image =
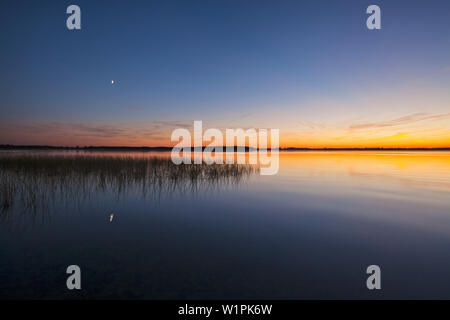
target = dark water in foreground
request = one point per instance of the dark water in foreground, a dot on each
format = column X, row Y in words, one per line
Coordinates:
column 308, row 232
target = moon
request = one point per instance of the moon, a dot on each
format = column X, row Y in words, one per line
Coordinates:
column 112, row 81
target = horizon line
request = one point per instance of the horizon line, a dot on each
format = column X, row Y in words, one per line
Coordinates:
column 246, row 148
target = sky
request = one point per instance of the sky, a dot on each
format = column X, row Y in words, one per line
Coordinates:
column 311, row 69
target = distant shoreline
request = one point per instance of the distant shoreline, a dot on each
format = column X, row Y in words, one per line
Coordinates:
column 163, row 149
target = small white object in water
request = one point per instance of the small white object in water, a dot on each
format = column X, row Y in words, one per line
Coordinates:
column 111, row 217
column 112, row 81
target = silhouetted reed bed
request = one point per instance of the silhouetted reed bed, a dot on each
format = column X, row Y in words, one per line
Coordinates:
column 34, row 181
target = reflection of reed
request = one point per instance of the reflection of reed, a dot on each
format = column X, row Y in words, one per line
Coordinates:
column 35, row 181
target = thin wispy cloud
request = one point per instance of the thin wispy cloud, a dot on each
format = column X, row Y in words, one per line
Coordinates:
column 416, row 117
column 312, row 125
column 173, row 123
column 85, row 133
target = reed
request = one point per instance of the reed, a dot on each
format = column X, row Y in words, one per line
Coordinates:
column 37, row 180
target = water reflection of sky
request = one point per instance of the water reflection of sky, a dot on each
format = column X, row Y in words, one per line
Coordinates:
column 308, row 232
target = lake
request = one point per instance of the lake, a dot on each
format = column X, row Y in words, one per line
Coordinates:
column 308, row 232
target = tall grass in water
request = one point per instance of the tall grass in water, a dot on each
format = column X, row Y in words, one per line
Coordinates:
column 34, row 181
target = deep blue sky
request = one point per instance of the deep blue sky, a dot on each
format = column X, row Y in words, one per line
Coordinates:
column 296, row 65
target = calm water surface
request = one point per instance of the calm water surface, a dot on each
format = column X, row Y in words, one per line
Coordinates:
column 308, row 232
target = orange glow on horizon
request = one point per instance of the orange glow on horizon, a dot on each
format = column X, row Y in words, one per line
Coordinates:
column 432, row 132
